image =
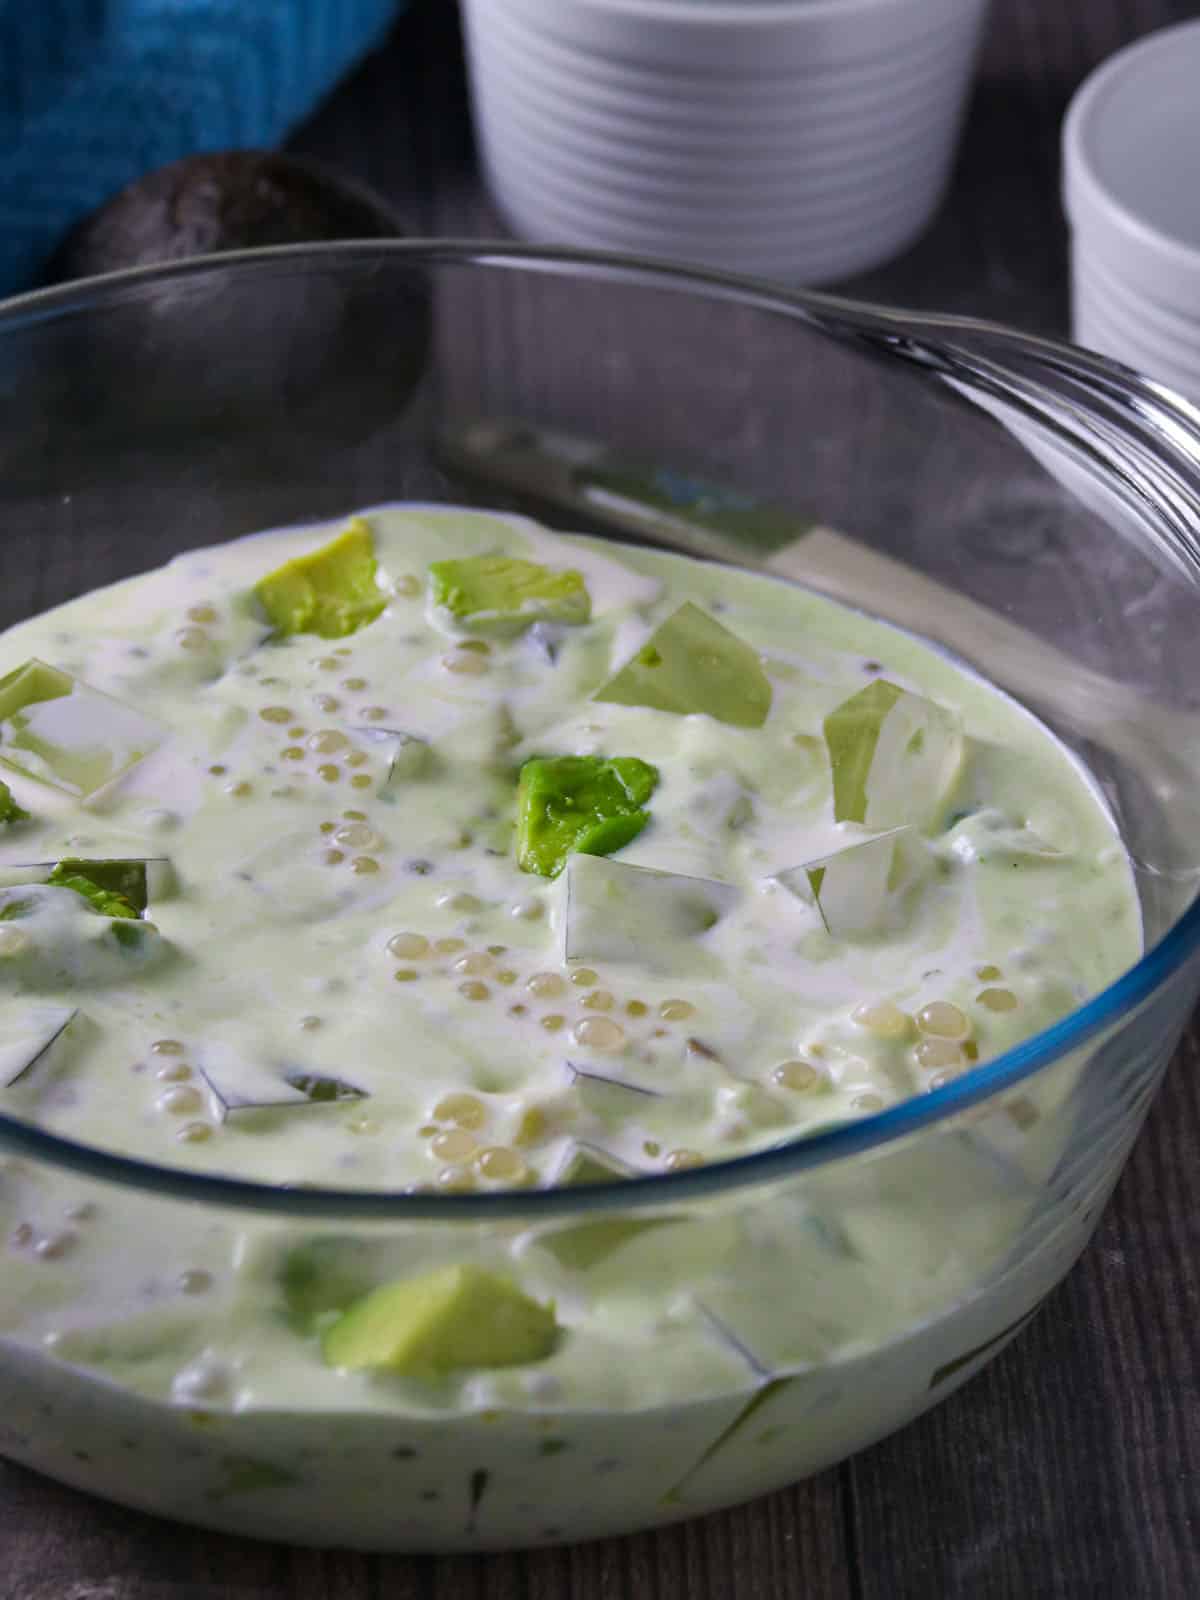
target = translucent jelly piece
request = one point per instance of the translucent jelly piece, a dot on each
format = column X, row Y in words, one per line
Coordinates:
column 505, row 595
column 443, row 1321
column 896, row 757
column 692, row 664
column 331, row 592
column 989, row 837
column 243, row 1084
column 585, row 1245
column 610, row 1097
column 854, row 888
column 28, row 1037
column 65, row 734
column 586, row 1164
column 321, row 1090
column 408, row 756
column 611, row 911
column 546, row 640
column 589, row 804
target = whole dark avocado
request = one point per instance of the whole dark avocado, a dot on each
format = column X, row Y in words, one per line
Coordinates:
column 233, row 200
column 301, row 372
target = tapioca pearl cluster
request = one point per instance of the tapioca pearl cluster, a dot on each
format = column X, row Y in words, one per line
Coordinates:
column 468, row 659
column 578, row 1003
column 328, row 754
column 947, row 1044
column 824, row 1065
column 467, row 1157
column 178, row 1093
column 352, row 840
column 193, row 634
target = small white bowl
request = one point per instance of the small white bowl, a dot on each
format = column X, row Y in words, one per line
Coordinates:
column 1131, row 191
column 802, row 139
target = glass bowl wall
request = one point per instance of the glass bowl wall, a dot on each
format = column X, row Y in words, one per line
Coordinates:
column 1032, row 509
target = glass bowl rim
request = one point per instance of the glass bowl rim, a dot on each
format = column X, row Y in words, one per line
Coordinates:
column 1003, row 1073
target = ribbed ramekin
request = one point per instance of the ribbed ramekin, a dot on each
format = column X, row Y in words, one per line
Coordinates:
column 1131, row 145
column 803, row 139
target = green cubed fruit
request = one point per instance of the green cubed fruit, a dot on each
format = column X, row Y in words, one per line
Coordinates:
column 692, row 664
column 10, row 811
column 591, row 805
column 443, row 1321
column 63, row 733
column 331, row 592
column 505, row 595
column 612, row 911
column 853, row 889
column 896, row 757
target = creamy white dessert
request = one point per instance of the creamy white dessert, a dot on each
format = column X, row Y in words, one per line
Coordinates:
column 436, row 852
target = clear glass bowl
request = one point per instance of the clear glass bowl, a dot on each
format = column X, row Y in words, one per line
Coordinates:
column 1031, row 508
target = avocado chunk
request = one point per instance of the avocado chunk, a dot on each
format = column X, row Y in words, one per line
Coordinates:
column 440, row 1322
column 587, row 804
column 63, row 733
column 854, row 888
column 503, row 594
column 896, row 757
column 613, row 911
column 10, row 811
column 330, row 592
column 692, row 664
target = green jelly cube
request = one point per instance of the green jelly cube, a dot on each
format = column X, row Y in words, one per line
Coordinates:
column 503, row 594
column 584, row 1165
column 590, row 1244
column 443, row 1321
column 331, row 592
column 10, row 811
column 29, row 685
column 63, row 733
column 114, row 888
column 895, row 756
column 854, row 888
column 587, row 804
column 692, row 664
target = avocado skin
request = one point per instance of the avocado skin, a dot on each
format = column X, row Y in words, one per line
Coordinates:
column 269, row 376
column 229, row 200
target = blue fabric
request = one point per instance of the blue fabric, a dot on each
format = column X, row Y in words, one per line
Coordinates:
column 95, row 92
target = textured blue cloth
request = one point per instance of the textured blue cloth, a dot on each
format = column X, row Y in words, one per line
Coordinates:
column 93, row 93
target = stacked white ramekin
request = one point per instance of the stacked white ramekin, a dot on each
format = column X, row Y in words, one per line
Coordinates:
column 1131, row 187
column 799, row 139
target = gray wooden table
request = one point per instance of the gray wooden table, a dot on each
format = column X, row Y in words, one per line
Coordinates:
column 1071, row 1467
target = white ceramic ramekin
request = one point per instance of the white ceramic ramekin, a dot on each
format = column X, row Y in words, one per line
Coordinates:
column 800, row 139
column 1131, row 189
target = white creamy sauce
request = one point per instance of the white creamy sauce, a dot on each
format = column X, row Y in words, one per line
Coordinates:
column 345, row 908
